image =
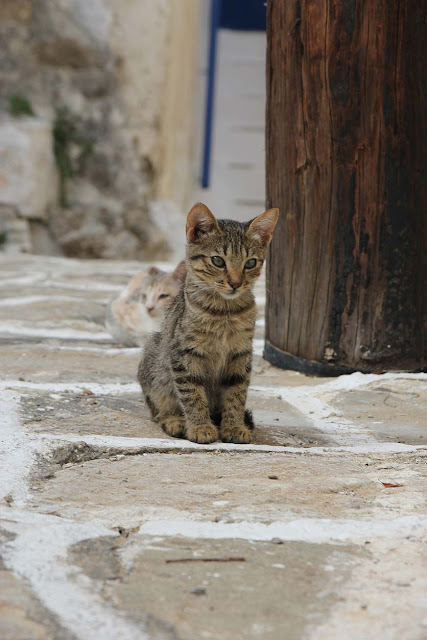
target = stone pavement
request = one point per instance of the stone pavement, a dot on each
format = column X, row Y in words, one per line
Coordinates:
column 112, row 530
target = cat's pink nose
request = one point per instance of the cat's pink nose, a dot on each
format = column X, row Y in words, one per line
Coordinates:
column 149, row 307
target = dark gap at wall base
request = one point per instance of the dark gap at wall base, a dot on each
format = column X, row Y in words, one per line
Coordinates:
column 287, row 361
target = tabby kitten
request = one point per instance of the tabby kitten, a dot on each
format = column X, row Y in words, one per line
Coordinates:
column 195, row 372
column 139, row 309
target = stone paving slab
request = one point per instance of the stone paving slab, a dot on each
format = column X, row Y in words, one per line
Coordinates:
column 95, row 498
column 56, row 311
column 60, row 361
column 124, row 490
column 86, row 413
column 394, row 410
column 232, row 600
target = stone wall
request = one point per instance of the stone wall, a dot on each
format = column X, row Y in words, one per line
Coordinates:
column 88, row 136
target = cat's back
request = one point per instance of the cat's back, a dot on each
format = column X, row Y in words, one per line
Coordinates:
column 157, row 345
column 174, row 315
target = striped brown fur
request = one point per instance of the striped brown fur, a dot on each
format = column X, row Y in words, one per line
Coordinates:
column 195, row 372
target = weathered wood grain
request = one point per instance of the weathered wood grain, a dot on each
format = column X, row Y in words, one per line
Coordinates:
column 346, row 146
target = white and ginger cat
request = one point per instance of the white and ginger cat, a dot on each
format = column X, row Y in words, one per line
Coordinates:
column 139, row 309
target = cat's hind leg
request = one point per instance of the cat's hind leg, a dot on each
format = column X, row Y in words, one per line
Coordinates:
column 168, row 414
column 150, row 404
column 172, row 425
column 249, row 420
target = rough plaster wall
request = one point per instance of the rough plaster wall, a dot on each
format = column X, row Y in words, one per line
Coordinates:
column 93, row 16
column 139, row 38
column 29, row 185
column 106, row 61
column 181, row 127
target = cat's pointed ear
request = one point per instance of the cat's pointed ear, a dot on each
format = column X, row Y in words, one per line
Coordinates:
column 153, row 271
column 200, row 221
column 261, row 228
column 180, row 271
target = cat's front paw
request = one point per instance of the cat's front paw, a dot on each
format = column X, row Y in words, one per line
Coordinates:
column 237, row 434
column 202, row 433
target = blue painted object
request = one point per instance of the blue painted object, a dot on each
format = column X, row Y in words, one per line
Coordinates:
column 214, row 23
column 244, row 15
column 249, row 15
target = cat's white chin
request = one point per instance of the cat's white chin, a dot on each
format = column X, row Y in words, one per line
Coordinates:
column 230, row 295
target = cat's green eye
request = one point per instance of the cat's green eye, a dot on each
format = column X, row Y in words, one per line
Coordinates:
column 163, row 295
column 250, row 264
column 218, row 262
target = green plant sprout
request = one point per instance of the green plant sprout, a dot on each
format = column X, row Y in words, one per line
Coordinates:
column 20, row 106
column 66, row 133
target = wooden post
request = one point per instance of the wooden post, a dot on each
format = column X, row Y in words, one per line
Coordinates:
column 346, row 145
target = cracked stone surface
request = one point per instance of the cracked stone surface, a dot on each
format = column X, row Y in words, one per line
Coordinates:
column 190, row 596
column 126, row 490
column 112, row 529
